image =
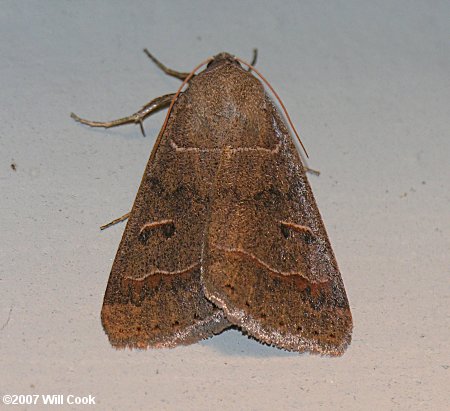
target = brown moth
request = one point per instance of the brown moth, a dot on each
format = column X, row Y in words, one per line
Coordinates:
column 224, row 230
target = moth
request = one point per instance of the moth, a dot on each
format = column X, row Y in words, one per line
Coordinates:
column 224, row 231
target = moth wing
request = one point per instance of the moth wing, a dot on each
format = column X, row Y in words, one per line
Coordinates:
column 154, row 296
column 268, row 261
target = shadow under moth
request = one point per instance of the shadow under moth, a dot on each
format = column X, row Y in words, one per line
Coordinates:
column 224, row 230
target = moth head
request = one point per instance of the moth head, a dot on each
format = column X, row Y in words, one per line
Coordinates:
column 222, row 58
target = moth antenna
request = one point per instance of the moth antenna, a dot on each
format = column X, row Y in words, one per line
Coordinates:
column 255, row 58
column 185, row 81
column 278, row 98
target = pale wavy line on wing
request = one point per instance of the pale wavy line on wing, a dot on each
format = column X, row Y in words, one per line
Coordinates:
column 164, row 272
column 265, row 265
column 227, row 149
column 298, row 227
column 155, row 224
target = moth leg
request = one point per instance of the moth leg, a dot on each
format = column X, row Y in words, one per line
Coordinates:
column 115, row 221
column 255, row 57
column 151, row 107
column 170, row 72
column 312, row 171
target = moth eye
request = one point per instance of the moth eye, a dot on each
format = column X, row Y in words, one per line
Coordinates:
column 285, row 231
